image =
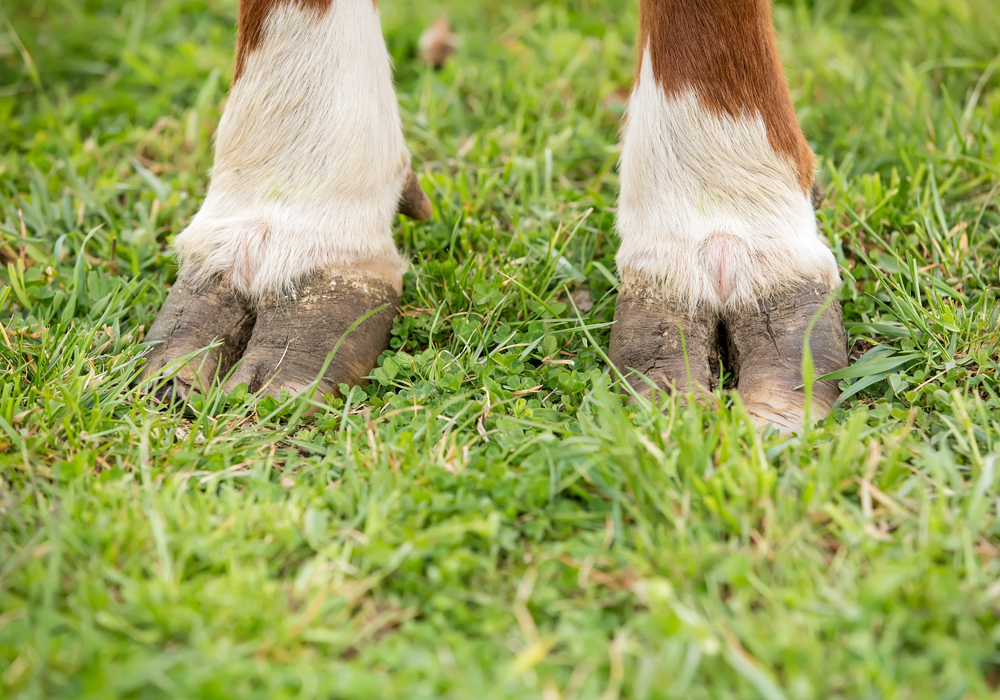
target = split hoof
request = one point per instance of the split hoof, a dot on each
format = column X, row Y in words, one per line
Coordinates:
column 192, row 318
column 763, row 347
column 296, row 332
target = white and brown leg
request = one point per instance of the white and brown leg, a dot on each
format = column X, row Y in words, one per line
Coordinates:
column 719, row 237
column 310, row 168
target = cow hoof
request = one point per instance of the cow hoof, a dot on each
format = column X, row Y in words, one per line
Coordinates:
column 766, row 349
column 763, row 347
column 296, row 332
column 193, row 318
column 666, row 342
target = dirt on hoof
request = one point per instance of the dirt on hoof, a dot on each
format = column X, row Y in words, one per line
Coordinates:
column 766, row 347
column 647, row 338
column 192, row 318
column 414, row 202
column 296, row 332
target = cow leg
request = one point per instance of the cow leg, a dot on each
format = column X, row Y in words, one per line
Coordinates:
column 715, row 215
column 310, row 168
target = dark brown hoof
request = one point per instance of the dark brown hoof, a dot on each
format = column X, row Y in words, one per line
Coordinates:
column 664, row 341
column 414, row 202
column 192, row 319
column 296, row 332
column 766, row 349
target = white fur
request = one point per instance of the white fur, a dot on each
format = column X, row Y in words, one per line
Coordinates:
column 708, row 209
column 310, row 158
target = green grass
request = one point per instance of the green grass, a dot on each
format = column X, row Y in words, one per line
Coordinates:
column 487, row 519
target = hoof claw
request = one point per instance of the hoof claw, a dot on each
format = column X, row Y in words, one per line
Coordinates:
column 657, row 338
column 199, row 334
column 766, row 347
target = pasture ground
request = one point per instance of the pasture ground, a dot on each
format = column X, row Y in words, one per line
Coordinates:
column 487, row 519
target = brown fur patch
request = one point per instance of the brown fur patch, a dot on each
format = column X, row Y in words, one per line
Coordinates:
column 252, row 16
column 726, row 51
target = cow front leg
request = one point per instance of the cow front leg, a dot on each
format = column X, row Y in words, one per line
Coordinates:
column 294, row 236
column 715, row 214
